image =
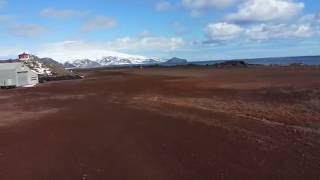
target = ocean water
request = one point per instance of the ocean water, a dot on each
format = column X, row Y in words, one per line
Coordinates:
column 308, row 60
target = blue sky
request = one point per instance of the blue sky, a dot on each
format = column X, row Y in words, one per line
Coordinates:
column 192, row 29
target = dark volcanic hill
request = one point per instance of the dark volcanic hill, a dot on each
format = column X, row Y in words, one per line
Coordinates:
column 176, row 61
column 232, row 64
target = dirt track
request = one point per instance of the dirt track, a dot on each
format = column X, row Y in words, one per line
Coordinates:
column 165, row 124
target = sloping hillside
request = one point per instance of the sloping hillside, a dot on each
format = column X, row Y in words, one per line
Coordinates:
column 47, row 66
column 43, row 66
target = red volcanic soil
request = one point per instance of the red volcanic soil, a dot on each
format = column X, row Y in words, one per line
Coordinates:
column 165, row 124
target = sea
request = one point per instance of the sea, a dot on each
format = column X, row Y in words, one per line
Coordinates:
column 307, row 60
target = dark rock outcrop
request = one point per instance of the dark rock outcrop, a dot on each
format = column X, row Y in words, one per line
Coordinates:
column 176, row 61
column 231, row 64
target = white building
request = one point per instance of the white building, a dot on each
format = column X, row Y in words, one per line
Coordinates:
column 17, row 75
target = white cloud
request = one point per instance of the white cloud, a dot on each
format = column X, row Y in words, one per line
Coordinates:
column 218, row 32
column 318, row 15
column 197, row 7
column 145, row 33
column 146, row 42
column 71, row 50
column 179, row 28
column 3, row 3
column 59, row 13
column 310, row 18
column 99, row 22
column 266, row 32
column 196, row 13
column 266, row 10
column 27, row 30
column 4, row 18
column 164, row 6
column 222, row 31
column 207, row 4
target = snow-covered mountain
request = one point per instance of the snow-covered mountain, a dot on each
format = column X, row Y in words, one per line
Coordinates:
column 110, row 61
column 114, row 60
column 85, row 63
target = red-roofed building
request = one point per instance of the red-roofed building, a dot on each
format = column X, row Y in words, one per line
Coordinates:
column 24, row 57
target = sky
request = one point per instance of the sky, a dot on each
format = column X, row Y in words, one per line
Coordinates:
column 192, row 29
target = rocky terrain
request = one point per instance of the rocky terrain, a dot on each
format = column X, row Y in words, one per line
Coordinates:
column 231, row 64
column 47, row 66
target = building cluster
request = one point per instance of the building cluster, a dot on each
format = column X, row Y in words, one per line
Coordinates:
column 18, row 74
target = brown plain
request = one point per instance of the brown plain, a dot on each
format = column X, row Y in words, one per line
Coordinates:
column 165, row 124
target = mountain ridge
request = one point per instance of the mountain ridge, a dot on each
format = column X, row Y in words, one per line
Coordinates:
column 110, row 61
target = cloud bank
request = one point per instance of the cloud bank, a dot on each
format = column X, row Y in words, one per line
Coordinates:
column 266, row 10
column 99, row 23
column 62, row 13
column 71, row 50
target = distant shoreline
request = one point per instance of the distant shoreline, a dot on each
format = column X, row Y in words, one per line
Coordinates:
column 307, row 60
